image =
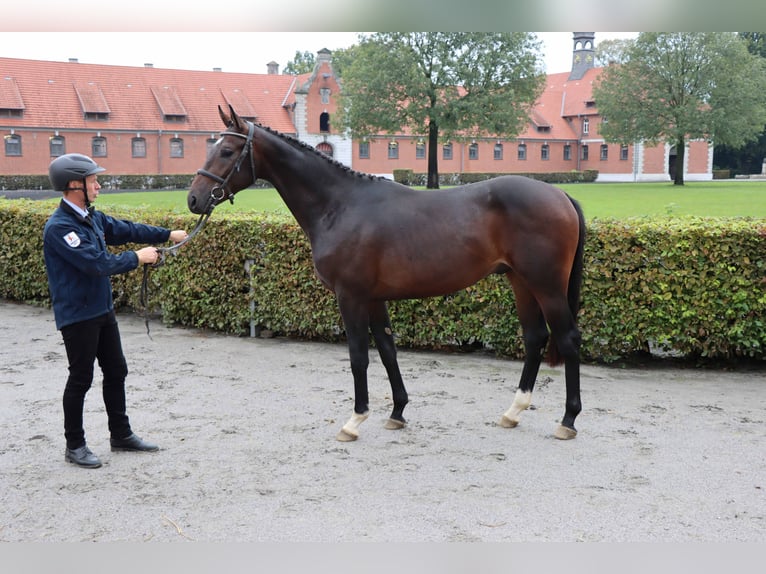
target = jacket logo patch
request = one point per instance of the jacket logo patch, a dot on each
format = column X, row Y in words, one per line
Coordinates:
column 72, row 239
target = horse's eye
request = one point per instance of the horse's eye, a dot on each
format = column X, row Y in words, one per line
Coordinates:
column 227, row 152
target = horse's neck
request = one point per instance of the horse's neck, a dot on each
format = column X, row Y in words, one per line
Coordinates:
column 308, row 183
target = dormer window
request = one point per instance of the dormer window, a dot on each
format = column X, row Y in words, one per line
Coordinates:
column 92, row 101
column 11, row 113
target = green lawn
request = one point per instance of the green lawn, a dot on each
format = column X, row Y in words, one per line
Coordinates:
column 602, row 200
column 710, row 198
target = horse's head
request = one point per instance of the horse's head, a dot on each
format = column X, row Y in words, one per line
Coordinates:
column 229, row 168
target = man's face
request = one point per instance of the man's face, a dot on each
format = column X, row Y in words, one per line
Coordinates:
column 92, row 187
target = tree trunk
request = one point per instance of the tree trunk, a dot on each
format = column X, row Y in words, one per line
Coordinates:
column 433, row 158
column 680, row 152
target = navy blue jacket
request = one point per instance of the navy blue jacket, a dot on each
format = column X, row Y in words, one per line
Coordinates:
column 79, row 264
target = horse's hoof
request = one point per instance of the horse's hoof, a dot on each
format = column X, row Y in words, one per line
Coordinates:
column 565, row 433
column 507, row 423
column 394, row 424
column 344, row 436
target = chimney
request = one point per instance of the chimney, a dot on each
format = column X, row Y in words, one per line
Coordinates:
column 217, row 69
column 272, row 68
column 73, row 60
column 148, row 65
column 583, row 54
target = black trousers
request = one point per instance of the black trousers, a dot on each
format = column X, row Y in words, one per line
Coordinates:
column 86, row 342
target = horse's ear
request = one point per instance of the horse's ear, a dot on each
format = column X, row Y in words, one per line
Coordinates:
column 226, row 119
column 235, row 119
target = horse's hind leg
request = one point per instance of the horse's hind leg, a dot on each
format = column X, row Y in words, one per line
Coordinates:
column 380, row 325
column 566, row 337
column 535, row 333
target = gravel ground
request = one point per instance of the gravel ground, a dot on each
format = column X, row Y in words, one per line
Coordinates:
column 248, row 452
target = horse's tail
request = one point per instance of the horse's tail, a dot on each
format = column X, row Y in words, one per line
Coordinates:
column 575, row 282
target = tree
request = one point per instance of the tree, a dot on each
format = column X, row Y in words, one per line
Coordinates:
column 439, row 85
column 756, row 42
column 610, row 52
column 675, row 87
column 749, row 158
column 302, row 63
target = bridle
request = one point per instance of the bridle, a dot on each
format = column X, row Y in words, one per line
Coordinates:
column 220, row 192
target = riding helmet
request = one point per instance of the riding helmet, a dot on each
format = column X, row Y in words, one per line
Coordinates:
column 71, row 166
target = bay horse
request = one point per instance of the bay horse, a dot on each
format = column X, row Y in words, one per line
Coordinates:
column 374, row 240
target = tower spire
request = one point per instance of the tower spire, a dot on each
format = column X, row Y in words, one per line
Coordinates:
column 583, row 54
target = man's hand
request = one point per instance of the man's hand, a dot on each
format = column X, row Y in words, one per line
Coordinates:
column 178, row 235
column 148, row 255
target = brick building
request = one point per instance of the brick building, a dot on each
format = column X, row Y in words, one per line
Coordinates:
column 147, row 120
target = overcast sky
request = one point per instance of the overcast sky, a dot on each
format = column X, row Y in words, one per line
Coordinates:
column 208, row 50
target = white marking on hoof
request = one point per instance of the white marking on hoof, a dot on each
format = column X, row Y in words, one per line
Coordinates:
column 393, row 424
column 343, row 436
column 507, row 423
column 565, row 433
column 350, row 430
column 521, row 402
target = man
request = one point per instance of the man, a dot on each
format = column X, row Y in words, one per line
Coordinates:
column 79, row 267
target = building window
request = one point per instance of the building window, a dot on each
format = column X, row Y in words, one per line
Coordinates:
column 604, row 152
column 497, row 153
column 584, row 153
column 325, row 148
column 57, row 145
column 393, row 150
column 624, row 152
column 324, row 93
column 138, row 147
column 98, row 147
column 176, row 147
column 567, row 152
column 522, row 152
column 11, row 113
column 545, row 152
column 585, row 126
column 364, row 150
column 447, row 151
column 473, row 151
column 324, row 122
column 420, row 150
column 210, row 143
column 13, row 144
column 96, row 116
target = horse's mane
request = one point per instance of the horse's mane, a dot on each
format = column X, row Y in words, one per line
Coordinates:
column 296, row 143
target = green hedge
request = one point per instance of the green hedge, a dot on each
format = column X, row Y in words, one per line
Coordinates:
column 691, row 287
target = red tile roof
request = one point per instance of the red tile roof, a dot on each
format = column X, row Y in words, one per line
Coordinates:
column 10, row 97
column 91, row 98
column 56, row 94
column 562, row 101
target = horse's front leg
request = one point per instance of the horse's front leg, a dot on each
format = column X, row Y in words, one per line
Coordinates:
column 356, row 321
column 380, row 324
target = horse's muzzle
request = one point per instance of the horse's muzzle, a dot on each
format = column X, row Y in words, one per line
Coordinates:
column 194, row 205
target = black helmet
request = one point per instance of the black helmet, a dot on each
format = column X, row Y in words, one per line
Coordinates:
column 71, row 166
